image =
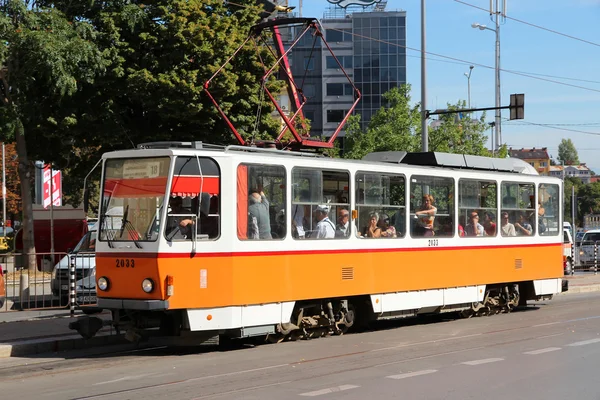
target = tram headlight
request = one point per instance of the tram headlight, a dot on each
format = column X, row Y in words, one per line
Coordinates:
column 147, row 285
column 103, row 283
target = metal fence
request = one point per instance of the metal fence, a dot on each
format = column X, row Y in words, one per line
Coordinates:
column 585, row 257
column 58, row 281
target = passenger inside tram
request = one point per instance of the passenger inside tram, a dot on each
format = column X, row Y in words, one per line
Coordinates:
column 425, row 216
column 372, row 230
column 506, row 227
column 387, row 230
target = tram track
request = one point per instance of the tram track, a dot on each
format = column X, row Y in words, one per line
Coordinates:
column 91, row 360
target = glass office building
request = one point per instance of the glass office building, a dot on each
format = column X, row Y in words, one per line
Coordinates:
column 371, row 47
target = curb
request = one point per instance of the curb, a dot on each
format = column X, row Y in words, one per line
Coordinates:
column 62, row 343
column 583, row 289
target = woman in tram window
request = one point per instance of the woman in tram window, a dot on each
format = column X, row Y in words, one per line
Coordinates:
column 426, row 216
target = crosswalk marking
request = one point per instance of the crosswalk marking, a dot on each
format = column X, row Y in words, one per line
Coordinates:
column 542, row 351
column 411, row 374
column 583, row 343
column 483, row 361
column 329, row 390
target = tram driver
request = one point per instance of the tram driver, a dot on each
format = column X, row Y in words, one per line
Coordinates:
column 179, row 225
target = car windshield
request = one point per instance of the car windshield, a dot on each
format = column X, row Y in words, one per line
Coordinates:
column 87, row 244
column 132, row 197
column 590, row 238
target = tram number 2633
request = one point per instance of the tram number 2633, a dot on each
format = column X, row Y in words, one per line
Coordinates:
column 125, row 262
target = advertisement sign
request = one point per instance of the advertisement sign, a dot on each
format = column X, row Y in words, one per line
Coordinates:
column 56, row 178
column 346, row 3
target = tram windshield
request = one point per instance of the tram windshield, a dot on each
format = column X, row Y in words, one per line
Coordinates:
column 136, row 187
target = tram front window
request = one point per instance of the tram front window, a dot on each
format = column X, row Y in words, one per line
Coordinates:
column 132, row 198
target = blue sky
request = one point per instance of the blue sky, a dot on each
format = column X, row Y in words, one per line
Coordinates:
column 524, row 48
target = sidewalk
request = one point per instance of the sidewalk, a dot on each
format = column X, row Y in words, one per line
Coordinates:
column 583, row 282
column 33, row 332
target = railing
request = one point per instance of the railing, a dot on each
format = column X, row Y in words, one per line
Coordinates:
column 585, row 257
column 49, row 285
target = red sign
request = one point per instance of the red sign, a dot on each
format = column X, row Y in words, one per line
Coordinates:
column 56, row 187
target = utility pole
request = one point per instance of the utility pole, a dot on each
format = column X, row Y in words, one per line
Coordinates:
column 497, row 15
column 424, row 115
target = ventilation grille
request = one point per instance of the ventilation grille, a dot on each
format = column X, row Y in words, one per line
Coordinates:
column 347, row 273
column 518, row 263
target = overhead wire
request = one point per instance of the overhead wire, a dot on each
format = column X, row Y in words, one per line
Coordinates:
column 533, row 25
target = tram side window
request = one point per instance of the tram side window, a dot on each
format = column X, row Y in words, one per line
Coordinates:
column 477, row 208
column 194, row 200
column 548, row 210
column 431, row 206
column 517, row 215
column 261, row 202
column 381, row 205
column 320, row 205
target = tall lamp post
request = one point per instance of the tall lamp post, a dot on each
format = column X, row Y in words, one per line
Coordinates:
column 497, row 73
column 468, row 75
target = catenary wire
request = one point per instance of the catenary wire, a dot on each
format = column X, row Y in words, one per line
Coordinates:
column 533, row 25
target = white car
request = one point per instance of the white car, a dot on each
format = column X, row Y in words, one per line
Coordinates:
column 586, row 252
column 85, row 294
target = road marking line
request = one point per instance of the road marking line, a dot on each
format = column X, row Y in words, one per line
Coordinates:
column 542, row 351
column 241, row 390
column 329, row 390
column 425, row 342
column 127, row 378
column 583, row 343
column 483, row 361
column 412, row 374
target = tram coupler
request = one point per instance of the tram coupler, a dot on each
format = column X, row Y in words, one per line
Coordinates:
column 87, row 327
column 565, row 286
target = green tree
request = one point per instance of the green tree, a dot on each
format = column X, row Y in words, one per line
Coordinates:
column 44, row 60
column 463, row 136
column 588, row 199
column 567, row 152
column 161, row 53
column 397, row 127
column 569, row 183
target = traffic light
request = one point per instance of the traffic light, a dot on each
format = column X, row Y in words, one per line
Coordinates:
column 517, row 106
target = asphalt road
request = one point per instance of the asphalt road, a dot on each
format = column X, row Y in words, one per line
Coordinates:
column 549, row 351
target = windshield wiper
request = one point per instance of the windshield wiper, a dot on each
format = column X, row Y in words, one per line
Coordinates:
column 110, row 236
column 126, row 224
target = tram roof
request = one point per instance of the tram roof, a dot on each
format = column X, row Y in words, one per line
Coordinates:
column 429, row 159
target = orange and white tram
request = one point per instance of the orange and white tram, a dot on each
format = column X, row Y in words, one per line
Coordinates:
column 191, row 253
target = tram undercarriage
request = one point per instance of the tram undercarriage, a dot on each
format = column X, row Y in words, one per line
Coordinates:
column 309, row 319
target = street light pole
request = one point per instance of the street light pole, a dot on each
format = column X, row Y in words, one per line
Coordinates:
column 498, row 13
column 468, row 75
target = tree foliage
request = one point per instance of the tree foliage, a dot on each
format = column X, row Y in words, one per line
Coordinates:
column 44, row 60
column 567, row 152
column 397, row 127
column 159, row 55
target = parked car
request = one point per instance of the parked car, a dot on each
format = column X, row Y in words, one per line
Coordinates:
column 85, row 264
column 578, row 237
column 85, row 291
column 2, row 287
column 567, row 249
column 586, row 250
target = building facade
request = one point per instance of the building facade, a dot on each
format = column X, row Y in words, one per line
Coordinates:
column 537, row 158
column 370, row 45
column 580, row 171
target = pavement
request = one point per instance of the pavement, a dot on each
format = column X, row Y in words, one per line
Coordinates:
column 45, row 331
